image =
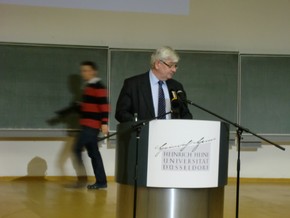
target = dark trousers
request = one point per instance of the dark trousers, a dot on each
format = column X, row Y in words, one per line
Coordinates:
column 88, row 139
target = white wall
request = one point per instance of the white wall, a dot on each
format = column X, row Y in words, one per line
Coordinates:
column 15, row 157
column 259, row 26
column 248, row 26
column 266, row 162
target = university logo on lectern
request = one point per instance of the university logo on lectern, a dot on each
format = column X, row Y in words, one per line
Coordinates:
column 189, row 156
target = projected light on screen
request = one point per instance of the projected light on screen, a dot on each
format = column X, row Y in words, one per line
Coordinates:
column 178, row 7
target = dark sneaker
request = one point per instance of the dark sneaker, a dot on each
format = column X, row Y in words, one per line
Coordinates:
column 97, row 186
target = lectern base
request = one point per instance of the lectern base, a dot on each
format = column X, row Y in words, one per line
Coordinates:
column 170, row 202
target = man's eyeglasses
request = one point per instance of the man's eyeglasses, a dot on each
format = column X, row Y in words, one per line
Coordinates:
column 169, row 65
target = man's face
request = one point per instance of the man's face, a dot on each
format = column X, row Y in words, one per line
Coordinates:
column 166, row 69
column 87, row 72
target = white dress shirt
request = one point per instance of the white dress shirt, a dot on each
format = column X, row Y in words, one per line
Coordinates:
column 155, row 89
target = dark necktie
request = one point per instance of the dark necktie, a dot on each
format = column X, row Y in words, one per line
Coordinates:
column 161, row 102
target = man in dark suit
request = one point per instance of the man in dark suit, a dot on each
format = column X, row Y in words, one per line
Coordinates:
column 148, row 95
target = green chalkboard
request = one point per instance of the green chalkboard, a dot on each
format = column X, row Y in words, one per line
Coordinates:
column 37, row 80
column 265, row 95
column 209, row 78
column 124, row 64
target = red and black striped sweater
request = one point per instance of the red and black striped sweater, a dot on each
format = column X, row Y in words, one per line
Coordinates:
column 94, row 106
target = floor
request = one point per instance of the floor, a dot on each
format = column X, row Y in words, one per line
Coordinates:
column 258, row 200
column 41, row 198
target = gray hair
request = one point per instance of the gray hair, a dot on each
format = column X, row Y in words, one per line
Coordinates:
column 164, row 53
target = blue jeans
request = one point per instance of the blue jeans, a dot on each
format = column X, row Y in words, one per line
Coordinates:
column 88, row 139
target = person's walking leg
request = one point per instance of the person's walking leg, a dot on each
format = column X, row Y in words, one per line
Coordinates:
column 97, row 162
column 78, row 163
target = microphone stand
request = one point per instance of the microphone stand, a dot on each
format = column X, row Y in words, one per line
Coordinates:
column 137, row 127
column 239, row 131
column 106, row 137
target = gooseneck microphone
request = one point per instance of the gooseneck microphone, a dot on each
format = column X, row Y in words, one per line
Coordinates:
column 181, row 95
column 175, row 104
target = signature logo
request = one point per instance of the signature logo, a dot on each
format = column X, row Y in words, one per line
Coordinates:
column 182, row 147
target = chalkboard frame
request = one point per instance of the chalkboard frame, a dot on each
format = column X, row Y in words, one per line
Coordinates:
column 6, row 131
column 60, row 132
column 243, row 121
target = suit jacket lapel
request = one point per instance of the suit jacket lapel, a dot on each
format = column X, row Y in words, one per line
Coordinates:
column 170, row 86
column 147, row 93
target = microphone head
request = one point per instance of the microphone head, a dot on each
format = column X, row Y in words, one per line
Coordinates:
column 181, row 95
